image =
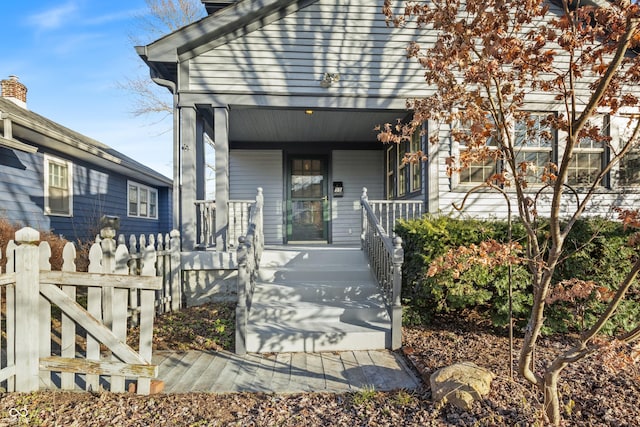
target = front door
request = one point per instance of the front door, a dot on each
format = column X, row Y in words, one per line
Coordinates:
column 307, row 206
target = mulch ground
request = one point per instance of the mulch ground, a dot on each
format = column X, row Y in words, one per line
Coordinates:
column 592, row 394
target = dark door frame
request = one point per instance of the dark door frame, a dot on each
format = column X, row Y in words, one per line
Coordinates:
column 326, row 159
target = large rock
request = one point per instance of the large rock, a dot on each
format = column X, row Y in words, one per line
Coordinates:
column 460, row 384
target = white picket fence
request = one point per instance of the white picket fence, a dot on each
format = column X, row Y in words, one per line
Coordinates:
column 81, row 342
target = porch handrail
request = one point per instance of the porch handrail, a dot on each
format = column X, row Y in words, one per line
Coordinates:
column 385, row 260
column 250, row 248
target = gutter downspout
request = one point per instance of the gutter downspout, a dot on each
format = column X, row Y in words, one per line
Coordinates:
column 177, row 178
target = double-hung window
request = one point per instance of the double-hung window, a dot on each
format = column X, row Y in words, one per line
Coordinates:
column 589, row 155
column 476, row 172
column 58, row 186
column 404, row 178
column 630, row 163
column 534, row 142
column 142, row 201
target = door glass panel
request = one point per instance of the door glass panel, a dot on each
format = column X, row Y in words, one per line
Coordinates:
column 308, row 200
column 307, row 220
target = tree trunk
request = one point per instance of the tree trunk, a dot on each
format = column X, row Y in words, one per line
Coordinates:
column 551, row 397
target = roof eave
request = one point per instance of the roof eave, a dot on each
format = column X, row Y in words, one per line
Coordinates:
column 180, row 44
column 50, row 138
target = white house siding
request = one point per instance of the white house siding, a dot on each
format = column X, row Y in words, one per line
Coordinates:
column 250, row 169
column 291, row 55
column 356, row 169
column 486, row 203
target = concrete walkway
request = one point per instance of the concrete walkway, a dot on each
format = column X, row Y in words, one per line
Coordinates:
column 222, row 372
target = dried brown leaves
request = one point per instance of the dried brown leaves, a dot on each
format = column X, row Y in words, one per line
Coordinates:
column 489, row 254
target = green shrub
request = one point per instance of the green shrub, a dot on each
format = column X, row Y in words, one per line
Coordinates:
column 604, row 259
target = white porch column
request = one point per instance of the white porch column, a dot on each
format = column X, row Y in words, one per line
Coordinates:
column 188, row 177
column 221, row 140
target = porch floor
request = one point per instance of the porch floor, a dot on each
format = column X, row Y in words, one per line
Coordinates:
column 223, row 372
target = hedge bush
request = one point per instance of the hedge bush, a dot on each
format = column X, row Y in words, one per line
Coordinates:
column 596, row 250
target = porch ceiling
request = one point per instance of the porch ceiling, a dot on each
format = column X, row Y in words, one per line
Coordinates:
column 294, row 125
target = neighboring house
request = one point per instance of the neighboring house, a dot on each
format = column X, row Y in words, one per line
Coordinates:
column 290, row 93
column 52, row 178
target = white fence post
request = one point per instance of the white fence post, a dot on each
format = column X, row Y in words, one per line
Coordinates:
column 44, row 316
column 68, row 338
column 27, row 301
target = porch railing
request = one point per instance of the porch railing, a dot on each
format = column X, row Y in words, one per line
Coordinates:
column 250, row 249
column 389, row 211
column 385, row 259
column 206, row 214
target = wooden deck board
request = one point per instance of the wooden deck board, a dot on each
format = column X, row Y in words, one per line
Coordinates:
column 205, row 378
column 282, row 371
column 228, row 376
column 373, row 375
column 393, row 370
column 222, row 372
column 353, row 371
column 333, row 373
column 186, row 381
column 247, row 375
column 177, row 366
column 298, row 373
column 264, row 374
column 315, row 370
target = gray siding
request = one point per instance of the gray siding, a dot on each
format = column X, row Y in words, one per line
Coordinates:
column 291, row 55
column 356, row 169
column 250, row 169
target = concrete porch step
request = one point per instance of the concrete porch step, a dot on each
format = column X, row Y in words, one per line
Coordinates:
column 324, row 273
column 310, row 336
column 313, row 299
column 312, row 256
column 316, row 292
column 340, row 311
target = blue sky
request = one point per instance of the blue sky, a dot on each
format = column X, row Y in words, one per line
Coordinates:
column 70, row 54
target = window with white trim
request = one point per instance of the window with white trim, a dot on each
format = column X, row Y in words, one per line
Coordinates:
column 534, row 141
column 477, row 172
column 589, row 154
column 630, row 163
column 142, row 201
column 58, row 186
column 415, row 168
column 391, row 171
column 404, row 178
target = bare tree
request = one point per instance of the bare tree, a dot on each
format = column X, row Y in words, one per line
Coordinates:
column 488, row 61
column 163, row 17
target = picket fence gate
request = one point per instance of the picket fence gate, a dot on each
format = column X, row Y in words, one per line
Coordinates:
column 87, row 347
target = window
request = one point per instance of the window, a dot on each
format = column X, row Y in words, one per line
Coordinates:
column 416, row 167
column 534, row 140
column 404, row 178
column 403, row 169
column 142, row 201
column 58, row 187
column 477, row 172
column 391, row 167
column 630, row 163
column 589, row 154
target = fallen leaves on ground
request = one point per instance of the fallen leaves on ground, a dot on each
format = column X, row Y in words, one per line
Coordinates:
column 591, row 394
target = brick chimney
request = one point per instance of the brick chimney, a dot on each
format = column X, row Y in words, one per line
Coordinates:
column 15, row 91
